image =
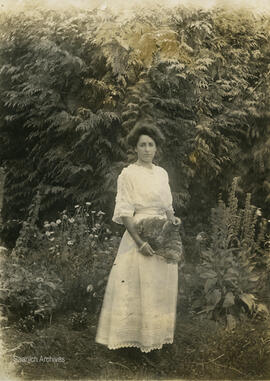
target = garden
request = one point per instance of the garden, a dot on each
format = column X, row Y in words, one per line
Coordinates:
column 73, row 83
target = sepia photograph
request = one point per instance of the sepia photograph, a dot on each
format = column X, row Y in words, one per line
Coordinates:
column 134, row 190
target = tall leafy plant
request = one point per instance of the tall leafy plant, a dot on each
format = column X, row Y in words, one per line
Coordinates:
column 230, row 267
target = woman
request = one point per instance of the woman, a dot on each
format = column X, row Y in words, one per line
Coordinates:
column 139, row 305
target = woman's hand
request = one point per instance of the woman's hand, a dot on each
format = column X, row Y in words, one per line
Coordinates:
column 146, row 249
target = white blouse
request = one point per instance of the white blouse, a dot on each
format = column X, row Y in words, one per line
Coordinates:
column 140, row 188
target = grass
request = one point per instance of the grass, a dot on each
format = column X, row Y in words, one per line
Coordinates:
column 202, row 349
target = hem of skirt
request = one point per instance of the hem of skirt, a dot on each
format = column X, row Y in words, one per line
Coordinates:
column 137, row 345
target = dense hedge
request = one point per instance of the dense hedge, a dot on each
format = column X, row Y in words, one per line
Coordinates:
column 73, row 83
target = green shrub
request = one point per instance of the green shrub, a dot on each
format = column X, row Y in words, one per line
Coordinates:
column 30, row 288
column 74, row 82
column 62, row 266
column 74, row 242
column 230, row 270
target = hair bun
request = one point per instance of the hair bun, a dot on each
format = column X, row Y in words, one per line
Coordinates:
column 145, row 127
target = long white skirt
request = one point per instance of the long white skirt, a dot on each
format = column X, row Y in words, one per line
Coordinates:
column 139, row 306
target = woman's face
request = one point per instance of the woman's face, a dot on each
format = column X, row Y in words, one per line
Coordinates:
column 146, row 149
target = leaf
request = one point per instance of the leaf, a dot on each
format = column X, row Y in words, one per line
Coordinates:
column 248, row 299
column 262, row 308
column 208, row 274
column 231, row 275
column 254, row 278
column 214, row 297
column 51, row 284
column 198, row 303
column 210, row 282
column 233, row 271
column 229, row 300
column 40, row 311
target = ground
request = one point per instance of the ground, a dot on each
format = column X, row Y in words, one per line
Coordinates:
column 202, row 349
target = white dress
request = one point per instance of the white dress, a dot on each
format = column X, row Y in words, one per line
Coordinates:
column 139, row 306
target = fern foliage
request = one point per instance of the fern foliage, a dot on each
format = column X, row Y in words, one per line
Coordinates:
column 74, row 82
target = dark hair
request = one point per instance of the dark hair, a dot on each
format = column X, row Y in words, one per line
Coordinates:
column 144, row 128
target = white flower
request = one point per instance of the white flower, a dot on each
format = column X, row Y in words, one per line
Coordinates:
column 93, row 211
column 64, row 217
column 49, row 233
column 88, row 203
column 58, row 222
column 90, row 288
column 96, row 236
column 71, row 220
column 70, row 243
column 258, row 212
column 51, row 239
column 76, row 206
column 201, row 236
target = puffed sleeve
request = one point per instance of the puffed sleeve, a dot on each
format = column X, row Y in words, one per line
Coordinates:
column 124, row 206
column 167, row 194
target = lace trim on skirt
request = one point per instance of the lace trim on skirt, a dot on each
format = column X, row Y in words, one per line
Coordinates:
column 136, row 344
